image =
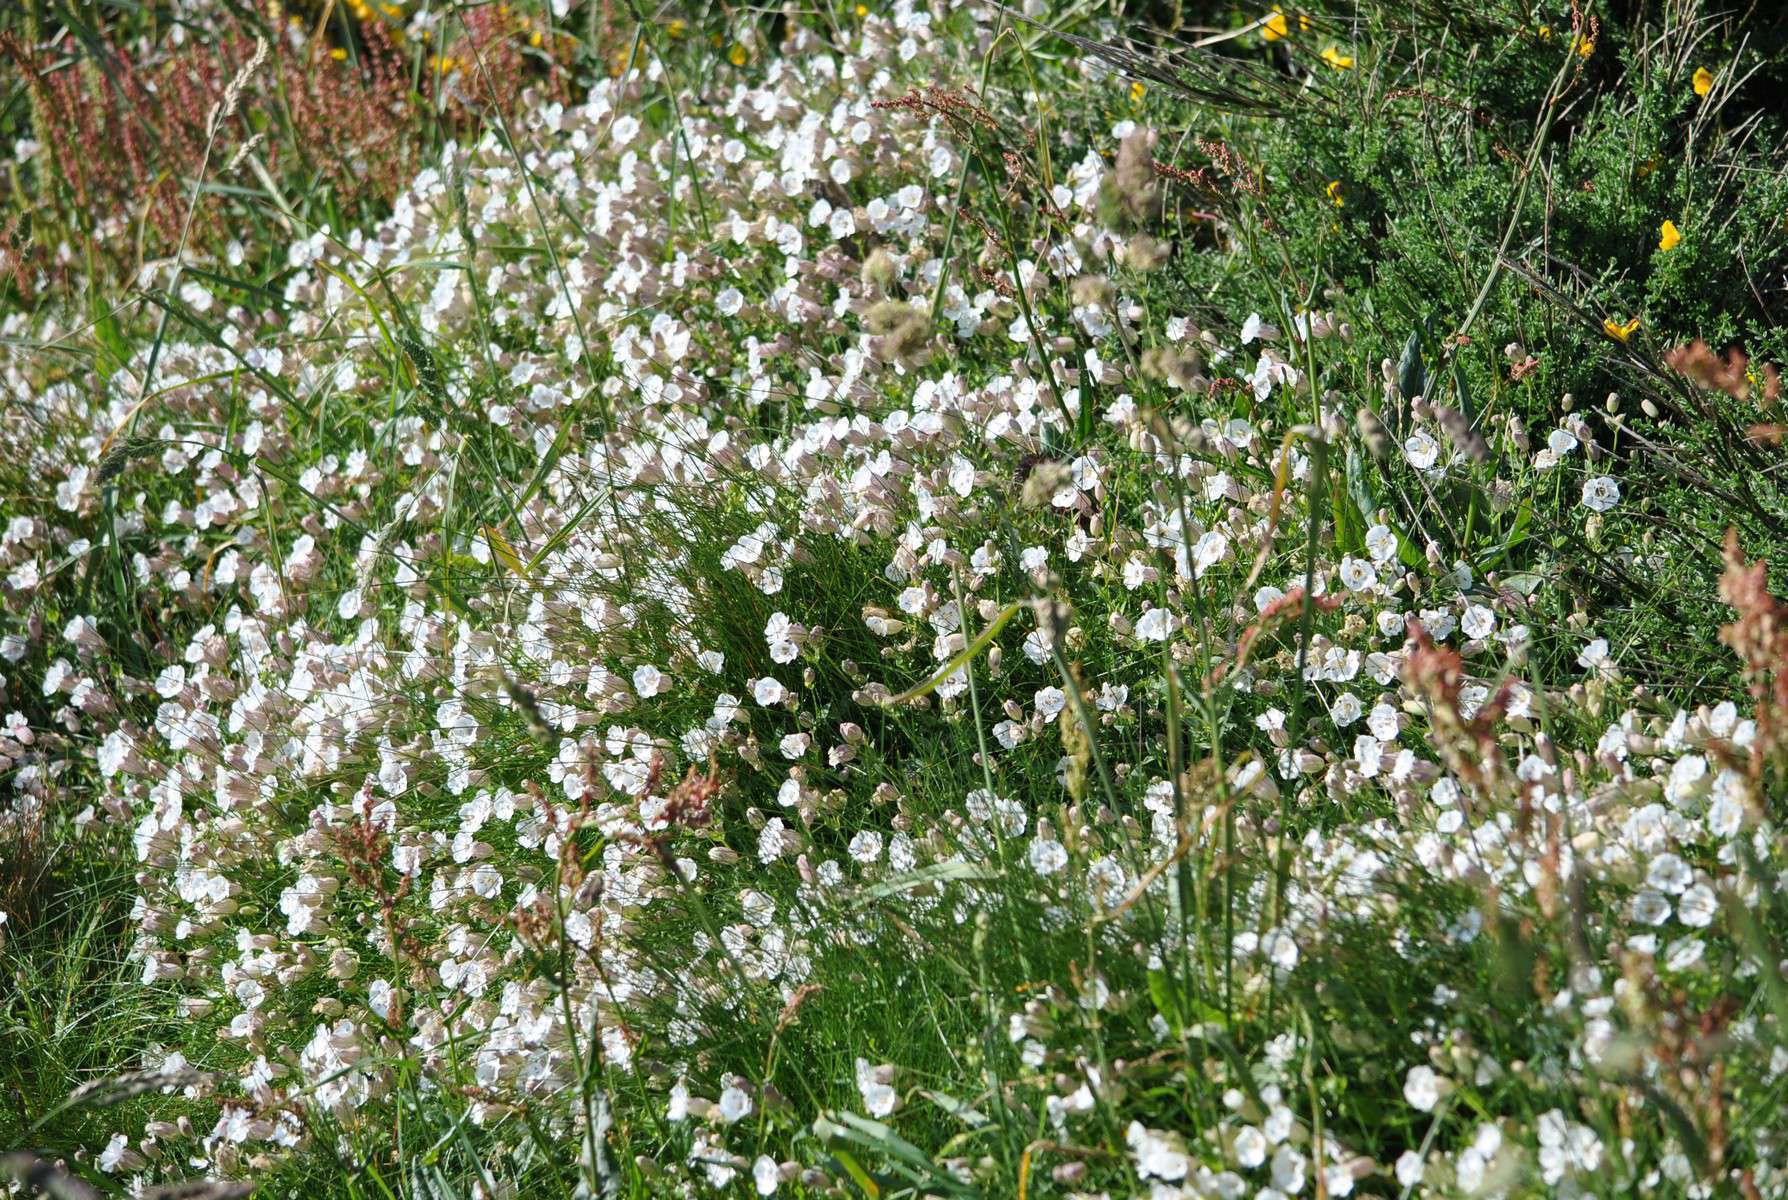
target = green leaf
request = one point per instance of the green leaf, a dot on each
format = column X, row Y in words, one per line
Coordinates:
column 956, row 1108
column 1524, row 582
column 1412, row 376
column 1466, row 405
column 1358, row 487
column 1166, row 1003
column 504, row 553
column 904, row 1158
column 955, row 869
column 1350, row 535
column 961, row 660
column 858, row 1175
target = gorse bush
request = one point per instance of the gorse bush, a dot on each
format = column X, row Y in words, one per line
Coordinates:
column 914, row 600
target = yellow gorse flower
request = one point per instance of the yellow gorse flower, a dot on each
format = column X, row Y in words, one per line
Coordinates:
column 1617, row 331
column 1275, row 26
column 738, row 55
column 1337, row 60
column 1668, row 236
column 1703, row 81
column 1334, row 191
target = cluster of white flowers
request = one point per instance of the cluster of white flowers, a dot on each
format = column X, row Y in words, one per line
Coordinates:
column 357, row 784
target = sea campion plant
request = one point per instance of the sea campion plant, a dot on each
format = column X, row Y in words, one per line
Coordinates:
column 924, row 600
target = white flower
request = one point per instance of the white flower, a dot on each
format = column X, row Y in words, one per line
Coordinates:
column 1478, row 622
column 1369, row 755
column 1345, row 710
column 1050, row 701
column 1272, row 372
column 1250, row 1148
column 1650, row 908
column 782, row 636
column 1280, row 949
column 735, row 1104
column 1423, row 1088
column 1594, row 655
column 1410, row 1169
column 962, row 475
column 1670, row 874
column 170, row 682
column 1212, row 548
column 1685, row 954
column 1688, row 780
column 875, row 1084
column 765, row 1175
column 1288, row 1170
column 118, row 1154
column 1561, row 442
column 1155, row 625
column 1047, row 856
column 1381, row 543
column 768, row 692
column 1357, row 574
column 1698, row 907
column 1421, row 450
column 1601, row 493
column 1158, row 1155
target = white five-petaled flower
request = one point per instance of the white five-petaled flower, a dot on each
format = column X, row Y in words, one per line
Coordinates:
column 1358, row 575
column 1601, row 493
column 1381, row 544
column 1155, row 625
column 1595, row 655
column 1478, row 622
column 1421, row 450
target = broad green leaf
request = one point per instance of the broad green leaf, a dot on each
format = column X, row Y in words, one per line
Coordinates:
column 1466, row 405
column 1412, row 376
column 1166, row 1003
